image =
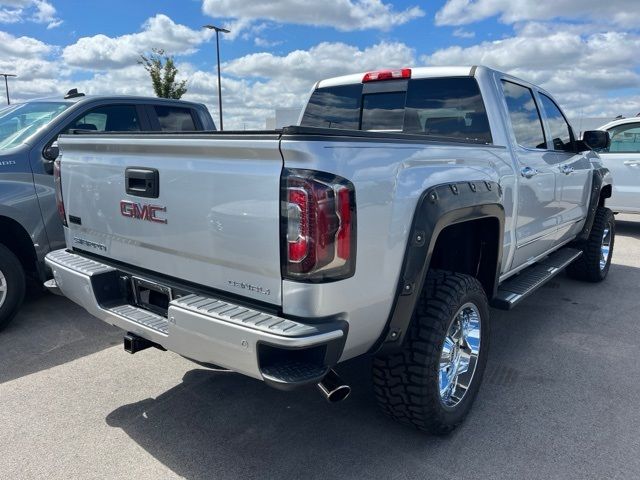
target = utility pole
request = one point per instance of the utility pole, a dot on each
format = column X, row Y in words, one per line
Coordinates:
column 6, row 84
column 223, row 30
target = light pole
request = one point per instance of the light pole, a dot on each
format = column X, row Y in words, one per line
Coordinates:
column 6, row 84
column 223, row 30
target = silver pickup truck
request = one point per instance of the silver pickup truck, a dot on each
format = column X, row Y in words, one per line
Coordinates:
column 404, row 204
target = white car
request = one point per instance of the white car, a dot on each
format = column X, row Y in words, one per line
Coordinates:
column 622, row 158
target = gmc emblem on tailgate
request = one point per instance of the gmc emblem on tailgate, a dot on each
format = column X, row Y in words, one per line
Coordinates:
column 142, row 212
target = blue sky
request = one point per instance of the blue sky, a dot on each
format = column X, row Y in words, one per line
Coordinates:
column 583, row 51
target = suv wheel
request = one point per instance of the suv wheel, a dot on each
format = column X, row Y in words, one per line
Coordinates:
column 593, row 265
column 12, row 285
column 432, row 382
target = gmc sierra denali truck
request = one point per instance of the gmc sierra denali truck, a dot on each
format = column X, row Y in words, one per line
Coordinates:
column 404, row 204
column 29, row 224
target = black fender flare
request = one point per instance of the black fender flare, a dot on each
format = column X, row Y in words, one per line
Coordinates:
column 597, row 184
column 438, row 207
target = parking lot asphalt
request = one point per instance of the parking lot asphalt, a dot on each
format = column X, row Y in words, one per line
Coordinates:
column 560, row 400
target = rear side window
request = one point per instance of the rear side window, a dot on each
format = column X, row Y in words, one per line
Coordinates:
column 558, row 126
column 174, row 119
column 525, row 118
column 110, row 118
column 447, row 107
column 334, row 107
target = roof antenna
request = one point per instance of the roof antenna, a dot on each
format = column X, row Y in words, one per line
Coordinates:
column 73, row 93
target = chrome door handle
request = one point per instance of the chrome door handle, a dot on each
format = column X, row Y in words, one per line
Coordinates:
column 528, row 172
column 566, row 169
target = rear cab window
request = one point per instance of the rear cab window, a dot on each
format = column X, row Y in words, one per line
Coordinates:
column 449, row 107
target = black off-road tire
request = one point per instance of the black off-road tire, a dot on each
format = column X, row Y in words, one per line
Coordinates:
column 587, row 267
column 13, row 273
column 406, row 383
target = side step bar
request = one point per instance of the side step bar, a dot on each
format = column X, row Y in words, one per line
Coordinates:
column 514, row 290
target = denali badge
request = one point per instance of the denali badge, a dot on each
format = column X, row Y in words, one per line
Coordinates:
column 142, row 212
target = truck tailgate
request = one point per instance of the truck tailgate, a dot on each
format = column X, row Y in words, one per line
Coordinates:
column 214, row 222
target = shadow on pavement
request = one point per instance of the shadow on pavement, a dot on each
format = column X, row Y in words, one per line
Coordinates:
column 48, row 331
column 627, row 227
column 223, row 425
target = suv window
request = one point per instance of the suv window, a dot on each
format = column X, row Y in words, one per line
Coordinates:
column 109, row 118
column 557, row 124
column 524, row 114
column 625, row 138
column 174, row 119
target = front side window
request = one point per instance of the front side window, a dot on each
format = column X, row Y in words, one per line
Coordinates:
column 110, row 118
column 524, row 115
column 558, row 127
column 625, row 138
column 175, row 119
column 19, row 122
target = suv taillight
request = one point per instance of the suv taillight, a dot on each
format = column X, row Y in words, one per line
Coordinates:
column 318, row 214
column 57, row 180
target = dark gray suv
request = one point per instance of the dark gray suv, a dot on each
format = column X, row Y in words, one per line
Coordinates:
column 29, row 224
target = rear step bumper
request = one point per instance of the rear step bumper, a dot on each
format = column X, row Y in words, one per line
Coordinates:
column 280, row 351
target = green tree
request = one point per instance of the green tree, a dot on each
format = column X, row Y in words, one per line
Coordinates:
column 163, row 71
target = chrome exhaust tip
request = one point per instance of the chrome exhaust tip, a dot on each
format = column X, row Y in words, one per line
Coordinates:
column 333, row 388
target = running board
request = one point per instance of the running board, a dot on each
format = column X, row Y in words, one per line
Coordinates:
column 517, row 288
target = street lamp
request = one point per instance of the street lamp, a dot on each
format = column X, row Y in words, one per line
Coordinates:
column 223, row 30
column 6, row 84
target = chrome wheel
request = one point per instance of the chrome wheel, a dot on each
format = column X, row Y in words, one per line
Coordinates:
column 605, row 246
column 3, row 288
column 459, row 355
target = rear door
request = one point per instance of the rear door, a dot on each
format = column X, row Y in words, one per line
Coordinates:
column 538, row 210
column 622, row 158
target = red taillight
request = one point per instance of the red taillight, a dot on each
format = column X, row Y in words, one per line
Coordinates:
column 386, row 75
column 57, row 181
column 318, row 215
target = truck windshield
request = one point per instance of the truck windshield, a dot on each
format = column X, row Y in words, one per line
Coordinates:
column 19, row 122
column 445, row 107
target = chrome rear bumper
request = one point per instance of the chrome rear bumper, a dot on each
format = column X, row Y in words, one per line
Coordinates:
column 281, row 351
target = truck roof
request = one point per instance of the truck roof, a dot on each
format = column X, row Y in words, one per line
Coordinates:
column 417, row 72
column 111, row 98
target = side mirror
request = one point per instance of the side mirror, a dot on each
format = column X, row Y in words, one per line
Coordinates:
column 596, row 139
column 50, row 154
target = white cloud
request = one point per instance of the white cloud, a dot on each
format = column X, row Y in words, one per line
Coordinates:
column 462, row 12
column 582, row 70
column 25, row 47
column 461, row 33
column 38, row 11
column 101, row 52
column 345, row 15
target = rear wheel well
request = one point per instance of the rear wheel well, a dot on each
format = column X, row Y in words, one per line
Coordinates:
column 16, row 239
column 472, row 248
